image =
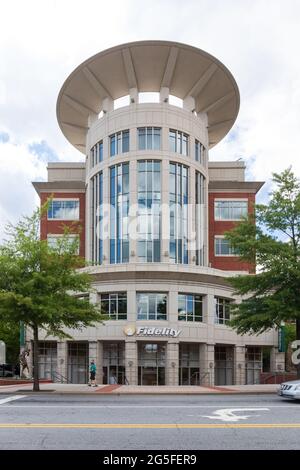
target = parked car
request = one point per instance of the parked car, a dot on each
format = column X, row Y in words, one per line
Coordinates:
column 290, row 390
column 6, row 370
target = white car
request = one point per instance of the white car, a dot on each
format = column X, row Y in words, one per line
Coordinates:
column 290, row 390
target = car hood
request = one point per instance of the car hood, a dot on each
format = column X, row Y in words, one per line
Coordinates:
column 291, row 382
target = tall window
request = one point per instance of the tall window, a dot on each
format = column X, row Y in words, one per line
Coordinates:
column 149, row 138
column 119, row 212
column 199, row 151
column 151, row 306
column 178, row 213
column 230, row 210
column 223, row 247
column 190, row 307
column 178, row 142
column 200, row 217
column 149, row 217
column 97, row 218
column 97, row 153
column 63, row 209
column 222, row 311
column 119, row 143
column 114, row 305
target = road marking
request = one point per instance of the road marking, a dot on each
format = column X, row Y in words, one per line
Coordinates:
column 14, row 397
column 147, row 426
column 38, row 406
column 228, row 414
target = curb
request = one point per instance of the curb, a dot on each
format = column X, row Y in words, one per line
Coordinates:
column 141, row 393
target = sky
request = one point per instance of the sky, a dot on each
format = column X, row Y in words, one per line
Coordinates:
column 41, row 42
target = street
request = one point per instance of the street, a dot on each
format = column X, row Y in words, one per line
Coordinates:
column 146, row 422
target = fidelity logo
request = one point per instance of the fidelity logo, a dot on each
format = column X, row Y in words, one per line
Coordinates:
column 151, row 331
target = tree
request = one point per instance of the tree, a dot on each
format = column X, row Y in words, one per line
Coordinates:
column 271, row 239
column 40, row 285
column 10, row 334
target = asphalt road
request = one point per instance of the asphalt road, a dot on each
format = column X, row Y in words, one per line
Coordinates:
column 148, row 422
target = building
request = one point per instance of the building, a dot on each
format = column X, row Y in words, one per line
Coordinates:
column 153, row 211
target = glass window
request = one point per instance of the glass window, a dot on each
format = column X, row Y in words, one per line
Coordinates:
column 119, row 143
column 200, row 217
column 56, row 242
column 96, row 153
column 199, row 151
column 178, row 200
column 114, row 305
column 97, row 218
column 63, row 209
column 178, row 142
column 230, row 210
column 223, row 247
column 190, row 307
column 149, row 138
column 119, row 213
column 222, row 311
column 149, row 216
column 151, row 306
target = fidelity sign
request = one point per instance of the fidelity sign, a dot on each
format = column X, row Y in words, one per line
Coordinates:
column 152, row 331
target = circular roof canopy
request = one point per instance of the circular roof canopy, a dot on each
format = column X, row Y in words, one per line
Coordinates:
column 148, row 66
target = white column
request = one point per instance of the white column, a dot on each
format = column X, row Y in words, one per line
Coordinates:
column 133, row 211
column 62, row 358
column 106, row 215
column 164, row 95
column 172, row 365
column 207, row 364
column 239, row 365
column 131, row 361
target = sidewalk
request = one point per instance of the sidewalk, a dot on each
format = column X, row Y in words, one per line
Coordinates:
column 79, row 389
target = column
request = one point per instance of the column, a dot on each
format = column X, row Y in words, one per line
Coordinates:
column 106, row 215
column 94, row 356
column 133, row 210
column 62, row 360
column 172, row 363
column 239, row 365
column 131, row 362
column 277, row 360
column 207, row 364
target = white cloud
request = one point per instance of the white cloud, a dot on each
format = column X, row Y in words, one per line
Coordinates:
column 42, row 42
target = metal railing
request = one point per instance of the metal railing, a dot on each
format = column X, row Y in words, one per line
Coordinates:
column 59, row 378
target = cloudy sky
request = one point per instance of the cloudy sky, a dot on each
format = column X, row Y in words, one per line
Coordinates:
column 41, row 42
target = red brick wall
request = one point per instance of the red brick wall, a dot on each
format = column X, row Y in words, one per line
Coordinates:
column 217, row 227
column 56, row 226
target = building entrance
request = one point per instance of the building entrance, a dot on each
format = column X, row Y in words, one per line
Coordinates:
column 254, row 363
column 113, row 363
column 189, row 364
column 151, row 360
column 78, row 365
column 224, row 365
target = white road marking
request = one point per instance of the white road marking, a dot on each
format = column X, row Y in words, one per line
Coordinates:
column 228, row 414
column 13, row 398
column 38, row 406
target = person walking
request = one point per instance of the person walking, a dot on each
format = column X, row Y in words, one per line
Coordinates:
column 93, row 369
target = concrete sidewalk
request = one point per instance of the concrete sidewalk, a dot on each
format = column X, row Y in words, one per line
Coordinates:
column 57, row 388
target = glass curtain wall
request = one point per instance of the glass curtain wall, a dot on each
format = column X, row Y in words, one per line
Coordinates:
column 119, row 213
column 97, row 218
column 200, row 217
column 178, row 213
column 149, row 216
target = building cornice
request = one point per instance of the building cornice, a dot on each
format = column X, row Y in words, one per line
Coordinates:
column 223, row 186
column 61, row 186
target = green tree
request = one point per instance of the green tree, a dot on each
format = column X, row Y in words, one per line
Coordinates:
column 41, row 286
column 10, row 334
column 272, row 295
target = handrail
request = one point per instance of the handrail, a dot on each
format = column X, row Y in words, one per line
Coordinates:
column 57, row 377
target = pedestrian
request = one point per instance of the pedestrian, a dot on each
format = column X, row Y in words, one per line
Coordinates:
column 93, row 369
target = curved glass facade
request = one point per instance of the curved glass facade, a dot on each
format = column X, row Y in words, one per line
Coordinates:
column 149, row 211
column 97, row 218
column 119, row 213
column 178, row 199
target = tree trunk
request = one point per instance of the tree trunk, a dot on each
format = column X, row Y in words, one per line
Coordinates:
column 36, row 385
column 298, row 339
